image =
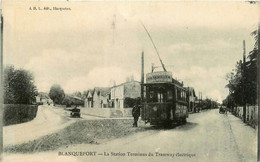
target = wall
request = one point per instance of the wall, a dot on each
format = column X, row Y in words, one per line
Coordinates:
column 15, row 114
column 128, row 112
column 102, row 112
column 96, row 100
column 251, row 114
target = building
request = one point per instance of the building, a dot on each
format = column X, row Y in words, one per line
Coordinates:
column 89, row 99
column 125, row 94
column 191, row 98
column 43, row 98
column 99, row 97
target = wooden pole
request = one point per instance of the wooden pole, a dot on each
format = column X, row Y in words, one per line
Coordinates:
column 258, row 87
column 142, row 78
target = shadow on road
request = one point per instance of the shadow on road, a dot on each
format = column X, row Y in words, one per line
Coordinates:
column 184, row 127
column 187, row 126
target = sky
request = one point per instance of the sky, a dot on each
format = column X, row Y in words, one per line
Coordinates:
column 99, row 43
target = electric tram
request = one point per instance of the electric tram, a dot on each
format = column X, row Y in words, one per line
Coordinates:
column 165, row 100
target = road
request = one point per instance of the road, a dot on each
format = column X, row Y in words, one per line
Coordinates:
column 48, row 120
column 208, row 136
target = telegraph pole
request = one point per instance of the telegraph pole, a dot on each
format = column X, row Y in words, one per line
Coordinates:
column 258, row 87
column 243, row 80
column 142, row 78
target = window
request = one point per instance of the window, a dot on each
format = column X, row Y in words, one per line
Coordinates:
column 169, row 95
column 160, row 97
column 153, row 96
column 178, row 94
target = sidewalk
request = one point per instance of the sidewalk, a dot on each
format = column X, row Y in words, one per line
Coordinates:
column 245, row 137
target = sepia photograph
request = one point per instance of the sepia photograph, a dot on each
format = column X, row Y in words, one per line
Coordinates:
column 129, row 81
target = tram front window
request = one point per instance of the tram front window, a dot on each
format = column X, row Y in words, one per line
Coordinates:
column 158, row 95
column 153, row 97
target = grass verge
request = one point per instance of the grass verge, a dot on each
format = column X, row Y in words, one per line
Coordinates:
column 80, row 132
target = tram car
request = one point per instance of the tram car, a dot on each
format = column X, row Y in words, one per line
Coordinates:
column 166, row 101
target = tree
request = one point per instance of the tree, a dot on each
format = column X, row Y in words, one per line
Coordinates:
column 56, row 94
column 248, row 78
column 19, row 86
column 77, row 94
column 8, row 89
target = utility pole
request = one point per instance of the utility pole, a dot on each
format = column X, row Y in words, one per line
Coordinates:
column 243, row 80
column 142, row 78
column 258, row 86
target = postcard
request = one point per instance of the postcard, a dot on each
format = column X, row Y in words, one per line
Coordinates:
column 129, row 81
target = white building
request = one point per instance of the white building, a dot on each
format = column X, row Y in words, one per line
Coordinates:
column 121, row 94
column 44, row 98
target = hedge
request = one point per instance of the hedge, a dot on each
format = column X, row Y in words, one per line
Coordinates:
column 19, row 113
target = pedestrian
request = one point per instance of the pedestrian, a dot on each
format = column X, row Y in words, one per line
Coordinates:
column 136, row 114
column 226, row 109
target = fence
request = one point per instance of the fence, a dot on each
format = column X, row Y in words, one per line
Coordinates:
column 251, row 114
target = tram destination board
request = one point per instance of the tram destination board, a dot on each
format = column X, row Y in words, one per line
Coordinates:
column 156, row 77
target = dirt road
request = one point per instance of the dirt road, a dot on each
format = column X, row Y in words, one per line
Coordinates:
column 208, row 136
column 46, row 122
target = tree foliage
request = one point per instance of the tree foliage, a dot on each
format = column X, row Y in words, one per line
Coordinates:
column 243, row 84
column 19, row 86
column 56, row 94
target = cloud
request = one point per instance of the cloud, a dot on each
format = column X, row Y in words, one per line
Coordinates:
column 58, row 66
column 80, row 49
column 211, row 82
column 180, row 47
column 99, row 77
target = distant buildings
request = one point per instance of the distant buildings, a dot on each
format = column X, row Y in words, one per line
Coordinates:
column 43, row 98
column 191, row 98
column 119, row 97
column 89, row 99
column 101, row 96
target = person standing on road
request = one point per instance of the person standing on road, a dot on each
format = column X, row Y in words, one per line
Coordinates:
column 136, row 114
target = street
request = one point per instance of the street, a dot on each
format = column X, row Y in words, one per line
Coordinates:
column 208, row 136
column 47, row 121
